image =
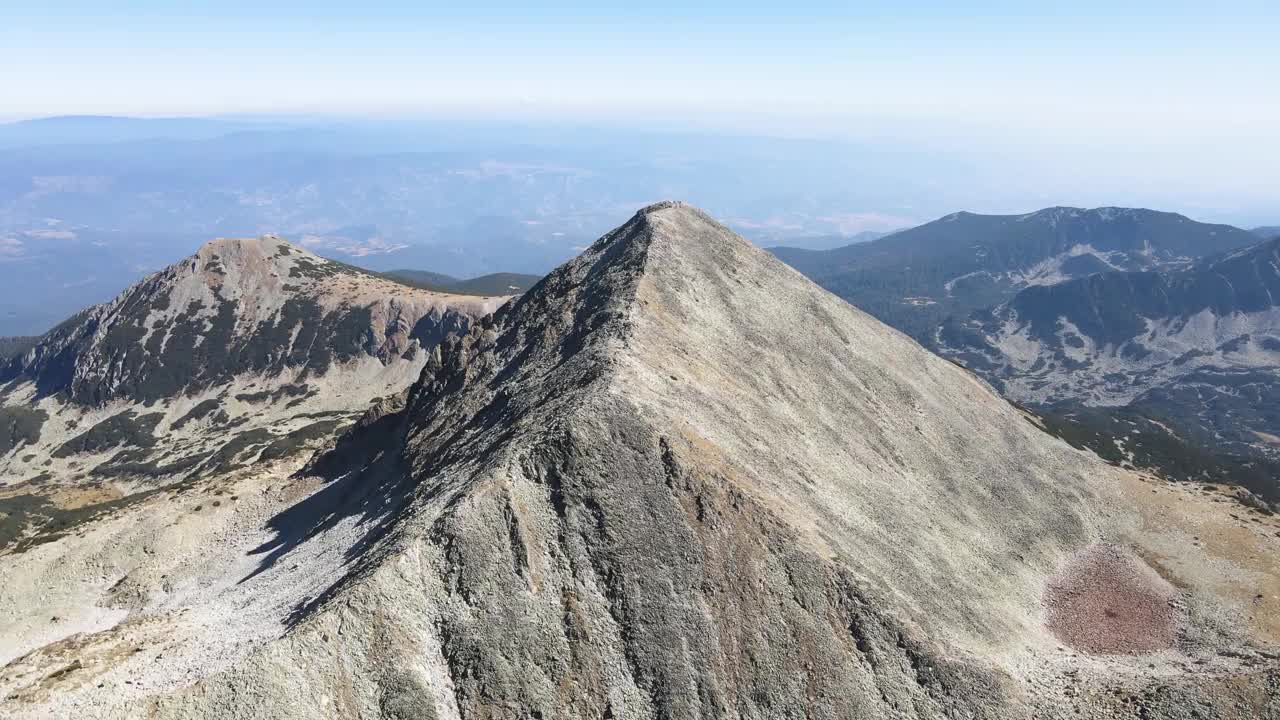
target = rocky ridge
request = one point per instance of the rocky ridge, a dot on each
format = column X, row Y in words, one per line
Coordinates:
column 249, row 351
column 674, row 480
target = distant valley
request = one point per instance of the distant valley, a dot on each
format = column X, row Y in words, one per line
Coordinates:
column 89, row 205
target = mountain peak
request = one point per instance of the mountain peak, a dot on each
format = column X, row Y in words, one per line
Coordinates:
column 192, row 371
column 261, row 243
column 676, row 479
column 238, row 305
column 688, row 236
column 669, row 243
column 685, row 437
column 673, row 332
column 671, row 221
column 678, row 205
column 265, row 253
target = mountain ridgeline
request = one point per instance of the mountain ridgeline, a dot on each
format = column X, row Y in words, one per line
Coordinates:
column 1130, row 313
column 492, row 284
column 246, row 354
column 236, row 307
column 916, row 278
column 673, row 480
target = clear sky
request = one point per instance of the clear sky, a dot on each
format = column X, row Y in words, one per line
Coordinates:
column 1199, row 77
column 1137, row 64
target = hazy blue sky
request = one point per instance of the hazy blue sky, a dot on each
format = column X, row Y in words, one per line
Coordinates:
column 1095, row 68
column 1187, row 89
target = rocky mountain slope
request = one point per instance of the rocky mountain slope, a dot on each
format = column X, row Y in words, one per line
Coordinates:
column 673, row 480
column 963, row 262
column 248, row 351
column 1199, row 347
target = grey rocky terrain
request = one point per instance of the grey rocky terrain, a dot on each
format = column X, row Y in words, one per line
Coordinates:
column 249, row 351
column 675, row 479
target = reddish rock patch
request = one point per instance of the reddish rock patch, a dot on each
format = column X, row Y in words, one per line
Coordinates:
column 1107, row 601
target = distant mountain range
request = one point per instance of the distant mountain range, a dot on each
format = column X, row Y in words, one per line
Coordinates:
column 916, row 278
column 1267, row 232
column 829, row 242
column 491, row 284
column 90, row 205
column 92, row 129
column 1111, row 336
column 249, row 348
column 1146, row 336
column 1196, row 348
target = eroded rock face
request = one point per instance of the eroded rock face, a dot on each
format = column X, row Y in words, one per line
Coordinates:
column 677, row 480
